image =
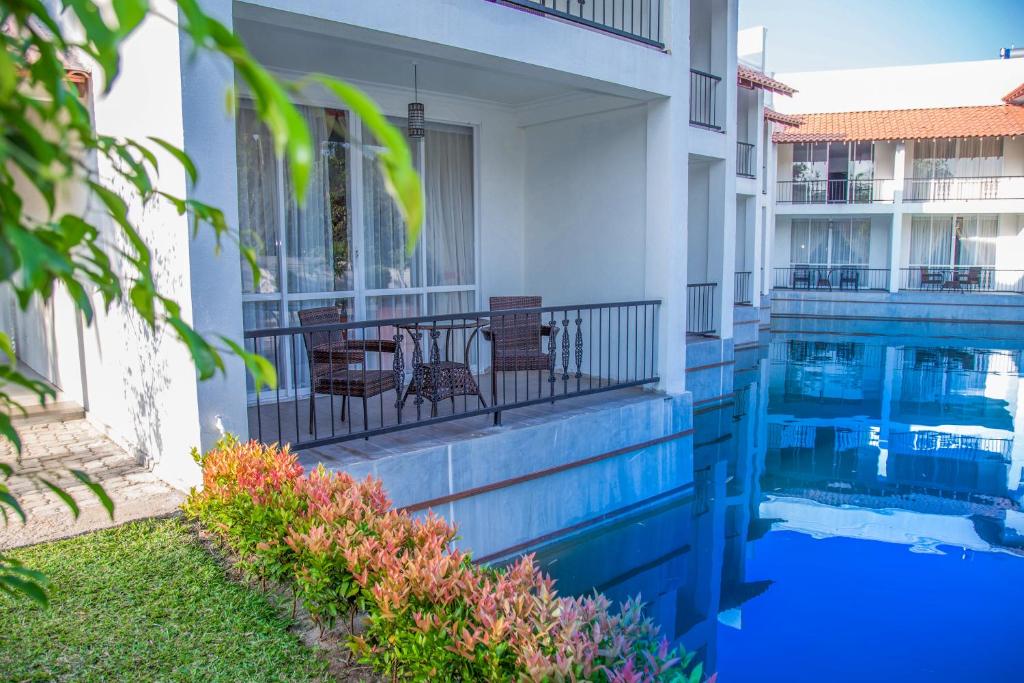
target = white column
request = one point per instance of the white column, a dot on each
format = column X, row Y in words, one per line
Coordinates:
column 668, row 127
column 896, row 229
column 215, row 277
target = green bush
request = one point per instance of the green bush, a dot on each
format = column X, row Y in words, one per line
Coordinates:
column 431, row 614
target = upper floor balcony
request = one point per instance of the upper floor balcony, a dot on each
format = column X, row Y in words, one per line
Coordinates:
column 963, row 188
column 836, row 191
column 639, row 20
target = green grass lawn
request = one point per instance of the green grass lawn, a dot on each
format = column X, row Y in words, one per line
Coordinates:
column 145, row 601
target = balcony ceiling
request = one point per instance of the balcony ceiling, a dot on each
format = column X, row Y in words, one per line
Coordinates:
column 295, row 43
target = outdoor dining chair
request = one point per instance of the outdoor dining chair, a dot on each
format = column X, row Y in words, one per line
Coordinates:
column 516, row 338
column 337, row 364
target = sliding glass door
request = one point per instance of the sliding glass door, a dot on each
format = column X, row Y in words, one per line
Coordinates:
column 950, row 241
column 822, row 242
column 346, row 244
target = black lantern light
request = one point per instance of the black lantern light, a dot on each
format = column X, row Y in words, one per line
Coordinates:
column 416, row 111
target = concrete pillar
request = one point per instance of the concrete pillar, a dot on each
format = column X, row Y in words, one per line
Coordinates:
column 215, row 277
column 896, row 229
column 668, row 129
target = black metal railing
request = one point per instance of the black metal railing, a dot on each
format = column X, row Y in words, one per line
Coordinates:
column 858, row 191
column 963, row 278
column 354, row 380
column 704, row 99
column 746, row 159
column 743, row 293
column 639, row 20
column 853, row 278
column 700, row 308
column 961, row 189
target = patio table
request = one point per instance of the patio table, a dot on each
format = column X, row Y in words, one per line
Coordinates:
column 437, row 379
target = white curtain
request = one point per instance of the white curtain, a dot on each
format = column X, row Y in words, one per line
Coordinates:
column 449, row 198
column 809, row 242
column 308, row 228
column 387, row 264
column 978, row 240
column 851, row 241
column 257, row 199
column 931, row 240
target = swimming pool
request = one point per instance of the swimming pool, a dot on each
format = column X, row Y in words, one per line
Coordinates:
column 855, row 515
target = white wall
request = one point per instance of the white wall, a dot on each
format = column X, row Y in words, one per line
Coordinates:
column 585, row 184
column 142, row 384
column 955, row 84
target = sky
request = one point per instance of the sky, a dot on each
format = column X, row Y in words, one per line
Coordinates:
column 815, row 35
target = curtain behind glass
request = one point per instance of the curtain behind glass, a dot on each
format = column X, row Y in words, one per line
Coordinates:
column 448, row 178
column 387, row 264
column 257, row 199
column 978, row 240
column 931, row 240
column 851, row 241
column 308, row 227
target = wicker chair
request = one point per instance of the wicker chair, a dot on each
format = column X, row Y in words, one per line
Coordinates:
column 337, row 364
column 516, row 339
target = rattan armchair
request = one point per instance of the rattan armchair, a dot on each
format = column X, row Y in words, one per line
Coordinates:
column 337, row 364
column 516, row 338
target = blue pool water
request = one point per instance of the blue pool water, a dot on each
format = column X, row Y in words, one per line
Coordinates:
column 855, row 516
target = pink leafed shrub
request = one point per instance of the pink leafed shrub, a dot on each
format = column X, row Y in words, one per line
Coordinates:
column 431, row 614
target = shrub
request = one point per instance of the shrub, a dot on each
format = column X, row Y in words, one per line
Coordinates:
column 431, row 614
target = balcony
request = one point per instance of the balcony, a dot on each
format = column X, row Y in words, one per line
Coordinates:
column 962, row 278
column 700, row 308
column 963, row 189
column 704, row 100
column 832, row 278
column 746, row 160
column 639, row 20
column 743, row 292
column 840, row 191
column 341, row 382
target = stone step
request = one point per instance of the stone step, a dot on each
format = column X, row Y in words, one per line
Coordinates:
column 58, row 411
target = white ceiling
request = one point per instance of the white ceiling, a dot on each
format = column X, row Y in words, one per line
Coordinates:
column 304, row 51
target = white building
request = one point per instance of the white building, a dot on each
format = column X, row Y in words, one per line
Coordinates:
column 906, row 180
column 584, row 153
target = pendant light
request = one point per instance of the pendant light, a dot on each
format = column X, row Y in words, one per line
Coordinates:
column 416, row 120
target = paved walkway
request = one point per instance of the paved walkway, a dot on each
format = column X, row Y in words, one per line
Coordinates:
column 50, row 450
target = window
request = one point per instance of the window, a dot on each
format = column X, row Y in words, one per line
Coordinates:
column 966, row 158
column 823, row 242
column 953, row 240
column 837, row 162
column 346, row 244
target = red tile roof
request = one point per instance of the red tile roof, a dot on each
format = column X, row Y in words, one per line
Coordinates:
column 907, row 124
column 752, row 78
column 785, row 119
column 1014, row 95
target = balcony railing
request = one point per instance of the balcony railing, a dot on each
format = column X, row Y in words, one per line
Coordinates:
column 961, row 189
column 742, row 294
column 639, row 20
column 851, row 278
column 700, row 308
column 704, row 99
column 354, row 380
column 746, row 160
column 962, row 279
column 867, row 191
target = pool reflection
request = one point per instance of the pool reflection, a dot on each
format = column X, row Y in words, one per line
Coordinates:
column 884, row 445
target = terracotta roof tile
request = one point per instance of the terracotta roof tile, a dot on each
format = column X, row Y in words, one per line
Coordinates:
column 752, row 78
column 1014, row 95
column 785, row 119
column 907, row 124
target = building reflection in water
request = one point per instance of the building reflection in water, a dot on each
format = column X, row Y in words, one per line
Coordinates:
column 898, row 444
column 924, row 433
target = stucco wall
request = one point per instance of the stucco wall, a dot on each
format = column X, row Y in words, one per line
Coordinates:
column 584, row 198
